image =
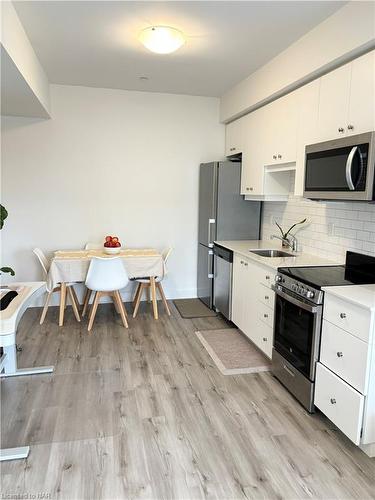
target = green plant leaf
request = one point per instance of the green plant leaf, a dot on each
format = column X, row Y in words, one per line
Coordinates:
column 7, row 270
column 281, row 231
column 294, row 225
column 3, row 215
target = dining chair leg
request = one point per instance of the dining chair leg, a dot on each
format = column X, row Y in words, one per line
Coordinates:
column 115, row 302
column 161, row 291
column 121, row 307
column 86, row 302
column 148, row 295
column 94, row 307
column 45, row 308
column 74, row 303
column 139, row 297
column 136, row 293
column 153, row 296
column 62, row 303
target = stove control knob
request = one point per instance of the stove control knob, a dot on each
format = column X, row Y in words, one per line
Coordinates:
column 310, row 294
column 277, row 278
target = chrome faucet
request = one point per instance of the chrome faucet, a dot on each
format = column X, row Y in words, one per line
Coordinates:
column 291, row 241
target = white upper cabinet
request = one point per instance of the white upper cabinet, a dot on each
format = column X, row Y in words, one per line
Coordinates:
column 334, row 103
column 281, row 130
column 255, row 135
column 274, row 137
column 361, row 115
column 307, row 127
column 347, row 104
column 234, row 137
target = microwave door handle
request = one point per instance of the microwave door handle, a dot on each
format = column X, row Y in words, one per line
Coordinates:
column 348, row 170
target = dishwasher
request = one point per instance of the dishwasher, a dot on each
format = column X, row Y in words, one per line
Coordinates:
column 223, row 264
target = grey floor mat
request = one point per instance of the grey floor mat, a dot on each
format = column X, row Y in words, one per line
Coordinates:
column 193, row 308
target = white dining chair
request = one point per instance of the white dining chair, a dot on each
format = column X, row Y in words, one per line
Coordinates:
column 144, row 284
column 107, row 276
column 45, row 265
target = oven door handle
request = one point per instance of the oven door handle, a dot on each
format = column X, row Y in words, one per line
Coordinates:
column 289, row 298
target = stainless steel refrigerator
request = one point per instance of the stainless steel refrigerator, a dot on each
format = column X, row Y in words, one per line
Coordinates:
column 223, row 215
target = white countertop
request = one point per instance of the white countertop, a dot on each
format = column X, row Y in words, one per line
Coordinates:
column 361, row 295
column 299, row 259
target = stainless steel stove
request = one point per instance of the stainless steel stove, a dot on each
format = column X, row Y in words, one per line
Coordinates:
column 298, row 319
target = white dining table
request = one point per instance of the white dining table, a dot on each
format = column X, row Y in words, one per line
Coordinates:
column 71, row 266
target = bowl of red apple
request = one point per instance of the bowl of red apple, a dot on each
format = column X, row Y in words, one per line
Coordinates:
column 112, row 245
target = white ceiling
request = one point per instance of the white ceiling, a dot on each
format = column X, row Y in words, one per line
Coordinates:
column 94, row 43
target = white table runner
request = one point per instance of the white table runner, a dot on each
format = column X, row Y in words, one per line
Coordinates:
column 72, row 265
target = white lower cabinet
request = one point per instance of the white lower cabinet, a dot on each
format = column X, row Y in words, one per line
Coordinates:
column 345, row 374
column 340, row 402
column 345, row 355
column 253, row 302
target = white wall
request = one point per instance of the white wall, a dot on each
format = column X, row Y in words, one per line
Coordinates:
column 109, row 162
column 31, row 74
column 332, row 227
column 343, row 36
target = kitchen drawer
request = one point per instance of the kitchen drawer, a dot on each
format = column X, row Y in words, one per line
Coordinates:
column 263, row 338
column 339, row 402
column 265, row 314
column 348, row 316
column 266, row 296
column 267, row 277
column 346, row 355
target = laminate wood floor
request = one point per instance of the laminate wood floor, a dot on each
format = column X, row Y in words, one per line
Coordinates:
column 145, row 414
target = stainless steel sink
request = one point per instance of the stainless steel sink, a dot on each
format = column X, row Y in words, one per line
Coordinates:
column 272, row 253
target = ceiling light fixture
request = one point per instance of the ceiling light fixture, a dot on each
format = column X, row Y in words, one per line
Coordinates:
column 162, row 39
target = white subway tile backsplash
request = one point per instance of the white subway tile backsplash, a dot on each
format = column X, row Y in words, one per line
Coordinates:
column 332, row 228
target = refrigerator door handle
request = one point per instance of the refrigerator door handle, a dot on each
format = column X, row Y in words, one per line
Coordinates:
column 210, row 223
column 209, row 265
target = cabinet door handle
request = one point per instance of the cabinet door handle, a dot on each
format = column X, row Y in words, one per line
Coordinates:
column 267, row 277
column 342, row 315
column 241, row 261
column 333, row 401
column 266, row 297
column 350, row 127
column 340, row 129
column 279, row 156
column 274, row 157
column 339, row 354
column 249, row 189
column 265, row 315
column 265, row 339
column 245, row 263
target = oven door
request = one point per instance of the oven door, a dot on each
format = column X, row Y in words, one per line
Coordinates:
column 340, row 169
column 297, row 331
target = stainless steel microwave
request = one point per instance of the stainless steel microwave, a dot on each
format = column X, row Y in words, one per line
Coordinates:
column 342, row 169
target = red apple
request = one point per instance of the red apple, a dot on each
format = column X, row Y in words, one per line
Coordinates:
column 108, row 238
column 115, row 239
column 117, row 244
column 107, row 244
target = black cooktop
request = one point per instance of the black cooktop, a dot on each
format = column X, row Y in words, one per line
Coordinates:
column 358, row 270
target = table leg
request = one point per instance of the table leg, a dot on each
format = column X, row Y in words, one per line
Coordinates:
column 62, row 303
column 153, row 296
